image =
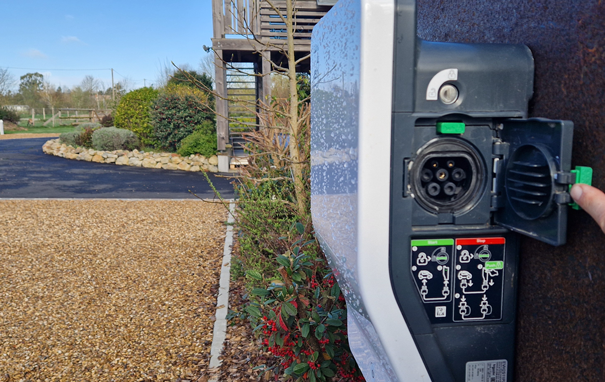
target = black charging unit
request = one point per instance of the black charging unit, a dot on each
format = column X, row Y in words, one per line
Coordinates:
column 469, row 172
column 468, row 168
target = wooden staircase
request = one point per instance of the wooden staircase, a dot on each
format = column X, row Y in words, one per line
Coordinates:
column 242, row 92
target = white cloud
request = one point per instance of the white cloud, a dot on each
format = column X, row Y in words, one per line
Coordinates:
column 70, row 40
column 69, row 17
column 34, row 53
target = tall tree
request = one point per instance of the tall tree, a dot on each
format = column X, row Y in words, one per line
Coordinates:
column 30, row 87
column 207, row 66
column 189, row 78
column 50, row 95
column 7, row 81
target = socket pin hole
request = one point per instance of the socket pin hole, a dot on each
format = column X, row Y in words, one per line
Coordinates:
column 458, row 174
column 433, row 189
column 441, row 175
column 449, row 188
column 427, row 175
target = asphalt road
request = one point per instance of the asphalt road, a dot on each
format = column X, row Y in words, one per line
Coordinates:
column 26, row 172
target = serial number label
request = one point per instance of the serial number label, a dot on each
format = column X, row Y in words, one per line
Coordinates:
column 486, row 371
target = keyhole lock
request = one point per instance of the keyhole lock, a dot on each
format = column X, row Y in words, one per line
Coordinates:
column 448, row 94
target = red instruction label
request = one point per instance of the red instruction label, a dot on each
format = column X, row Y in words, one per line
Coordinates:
column 481, row 241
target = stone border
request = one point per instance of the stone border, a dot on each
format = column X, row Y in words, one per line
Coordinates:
column 167, row 161
column 222, row 301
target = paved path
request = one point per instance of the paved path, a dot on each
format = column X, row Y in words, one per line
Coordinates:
column 26, row 172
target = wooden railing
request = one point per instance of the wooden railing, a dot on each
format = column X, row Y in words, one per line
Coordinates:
column 258, row 17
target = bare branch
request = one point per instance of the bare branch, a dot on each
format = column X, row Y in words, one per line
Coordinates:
column 302, row 59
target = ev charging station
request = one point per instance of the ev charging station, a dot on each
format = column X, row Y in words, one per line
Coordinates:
column 424, row 170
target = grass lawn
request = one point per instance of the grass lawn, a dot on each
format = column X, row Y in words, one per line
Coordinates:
column 43, row 130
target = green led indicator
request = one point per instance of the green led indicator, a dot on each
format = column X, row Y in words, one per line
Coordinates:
column 494, row 265
column 426, row 243
column 442, row 258
column 450, row 127
column 484, row 255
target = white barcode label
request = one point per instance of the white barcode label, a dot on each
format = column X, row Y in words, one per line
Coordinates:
column 486, row 371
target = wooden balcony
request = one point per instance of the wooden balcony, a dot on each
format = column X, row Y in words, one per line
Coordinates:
column 237, row 22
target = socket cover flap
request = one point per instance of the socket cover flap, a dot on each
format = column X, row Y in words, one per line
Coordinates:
column 534, row 203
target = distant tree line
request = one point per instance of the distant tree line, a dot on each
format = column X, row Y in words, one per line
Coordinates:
column 33, row 90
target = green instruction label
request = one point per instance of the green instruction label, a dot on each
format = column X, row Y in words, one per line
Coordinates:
column 494, row 265
column 425, row 243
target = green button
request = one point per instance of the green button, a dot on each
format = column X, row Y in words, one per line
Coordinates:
column 450, row 127
column 494, row 265
column 584, row 176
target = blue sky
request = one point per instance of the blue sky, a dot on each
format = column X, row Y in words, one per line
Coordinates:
column 135, row 38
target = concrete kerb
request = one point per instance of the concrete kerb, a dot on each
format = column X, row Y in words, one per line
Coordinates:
column 222, row 302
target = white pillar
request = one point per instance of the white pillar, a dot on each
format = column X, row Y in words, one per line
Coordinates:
column 223, row 162
column 1, row 127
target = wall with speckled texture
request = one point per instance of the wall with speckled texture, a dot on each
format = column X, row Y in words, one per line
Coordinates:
column 561, row 311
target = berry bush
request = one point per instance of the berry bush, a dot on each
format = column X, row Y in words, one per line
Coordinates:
column 176, row 114
column 301, row 316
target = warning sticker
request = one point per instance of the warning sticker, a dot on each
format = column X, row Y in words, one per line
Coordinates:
column 486, row 371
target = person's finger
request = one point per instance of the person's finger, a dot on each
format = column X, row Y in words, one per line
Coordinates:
column 592, row 200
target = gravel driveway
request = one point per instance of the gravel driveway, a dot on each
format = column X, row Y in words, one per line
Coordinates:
column 103, row 290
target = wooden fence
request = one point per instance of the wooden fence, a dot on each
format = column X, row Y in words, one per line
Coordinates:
column 78, row 115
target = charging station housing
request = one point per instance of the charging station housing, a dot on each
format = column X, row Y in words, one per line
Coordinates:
column 424, row 169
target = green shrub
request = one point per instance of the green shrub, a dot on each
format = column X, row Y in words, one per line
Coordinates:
column 112, row 138
column 176, row 113
column 87, row 125
column 84, row 137
column 133, row 114
column 69, row 138
column 201, row 141
column 193, row 79
column 8, row 115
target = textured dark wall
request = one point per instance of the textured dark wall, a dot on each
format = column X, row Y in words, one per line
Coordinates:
column 561, row 310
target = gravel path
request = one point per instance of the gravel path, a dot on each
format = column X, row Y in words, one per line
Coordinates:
column 103, row 290
column 28, row 136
